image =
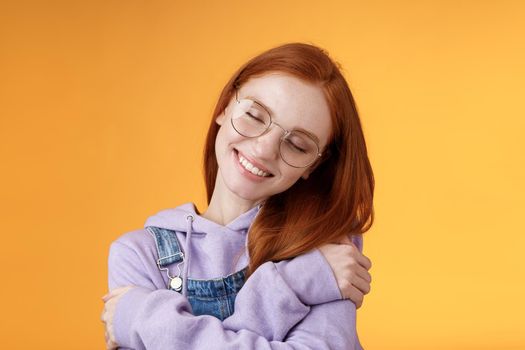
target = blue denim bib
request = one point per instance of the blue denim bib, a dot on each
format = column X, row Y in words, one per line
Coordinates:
column 215, row 297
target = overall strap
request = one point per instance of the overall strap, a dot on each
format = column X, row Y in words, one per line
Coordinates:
column 168, row 246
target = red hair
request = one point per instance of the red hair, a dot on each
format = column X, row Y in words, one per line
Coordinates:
column 336, row 199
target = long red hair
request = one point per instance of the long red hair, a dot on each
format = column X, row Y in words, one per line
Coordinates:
column 336, row 199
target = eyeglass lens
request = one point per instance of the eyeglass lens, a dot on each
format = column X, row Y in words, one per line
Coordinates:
column 251, row 120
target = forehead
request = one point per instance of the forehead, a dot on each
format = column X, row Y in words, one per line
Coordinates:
column 293, row 103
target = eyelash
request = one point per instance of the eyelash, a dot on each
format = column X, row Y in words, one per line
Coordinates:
column 296, row 147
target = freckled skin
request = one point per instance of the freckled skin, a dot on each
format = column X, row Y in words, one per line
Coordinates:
column 294, row 104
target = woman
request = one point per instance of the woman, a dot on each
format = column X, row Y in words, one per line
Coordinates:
column 290, row 191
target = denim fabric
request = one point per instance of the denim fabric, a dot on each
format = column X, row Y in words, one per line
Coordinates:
column 167, row 246
column 214, row 297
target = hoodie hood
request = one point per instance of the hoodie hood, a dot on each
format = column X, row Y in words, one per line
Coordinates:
column 223, row 241
column 176, row 219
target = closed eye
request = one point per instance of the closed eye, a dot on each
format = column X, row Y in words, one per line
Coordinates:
column 294, row 146
column 254, row 117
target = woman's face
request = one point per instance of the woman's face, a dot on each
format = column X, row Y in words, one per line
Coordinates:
column 293, row 104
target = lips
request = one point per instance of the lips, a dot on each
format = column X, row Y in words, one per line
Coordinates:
column 252, row 166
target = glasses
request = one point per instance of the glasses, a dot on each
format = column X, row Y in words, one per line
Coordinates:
column 251, row 119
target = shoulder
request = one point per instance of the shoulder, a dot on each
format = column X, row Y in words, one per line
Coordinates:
column 139, row 241
column 132, row 261
column 136, row 245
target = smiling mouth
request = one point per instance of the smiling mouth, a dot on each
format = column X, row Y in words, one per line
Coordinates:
column 245, row 163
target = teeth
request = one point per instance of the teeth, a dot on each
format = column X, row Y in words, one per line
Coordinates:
column 252, row 168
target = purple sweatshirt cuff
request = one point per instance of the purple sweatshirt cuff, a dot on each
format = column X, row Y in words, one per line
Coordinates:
column 311, row 278
column 126, row 311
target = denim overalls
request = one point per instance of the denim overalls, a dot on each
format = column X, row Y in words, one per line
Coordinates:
column 215, row 297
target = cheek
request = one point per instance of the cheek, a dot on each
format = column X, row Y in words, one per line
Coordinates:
column 218, row 140
column 291, row 176
column 226, row 138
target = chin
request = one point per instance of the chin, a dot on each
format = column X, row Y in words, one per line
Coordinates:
column 248, row 195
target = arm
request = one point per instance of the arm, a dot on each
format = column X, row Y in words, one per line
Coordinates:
column 145, row 318
column 125, row 268
column 326, row 326
column 267, row 305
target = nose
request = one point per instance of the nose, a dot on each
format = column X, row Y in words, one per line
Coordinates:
column 266, row 146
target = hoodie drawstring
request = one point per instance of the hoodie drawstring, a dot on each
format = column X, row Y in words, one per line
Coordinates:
column 186, row 270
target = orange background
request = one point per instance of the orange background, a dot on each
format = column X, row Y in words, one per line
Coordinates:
column 104, row 106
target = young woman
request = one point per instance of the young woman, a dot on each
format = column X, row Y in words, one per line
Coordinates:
column 275, row 261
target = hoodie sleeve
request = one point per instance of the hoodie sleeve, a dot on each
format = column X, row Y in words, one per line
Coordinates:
column 273, row 310
column 125, row 267
column 162, row 321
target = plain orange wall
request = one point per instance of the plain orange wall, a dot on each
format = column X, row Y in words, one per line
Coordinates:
column 104, row 107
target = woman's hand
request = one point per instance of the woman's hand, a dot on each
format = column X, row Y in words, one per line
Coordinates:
column 350, row 268
column 110, row 304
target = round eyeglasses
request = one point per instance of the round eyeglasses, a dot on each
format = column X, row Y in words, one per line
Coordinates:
column 251, row 119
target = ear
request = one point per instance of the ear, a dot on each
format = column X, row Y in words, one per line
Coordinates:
column 310, row 170
column 316, row 164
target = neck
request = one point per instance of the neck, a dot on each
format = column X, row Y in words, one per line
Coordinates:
column 225, row 206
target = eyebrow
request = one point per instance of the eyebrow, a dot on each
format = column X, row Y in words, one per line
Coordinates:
column 269, row 110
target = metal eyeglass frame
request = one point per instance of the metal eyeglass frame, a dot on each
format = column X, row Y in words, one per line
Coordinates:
column 286, row 132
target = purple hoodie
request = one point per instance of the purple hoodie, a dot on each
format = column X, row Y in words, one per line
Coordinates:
column 292, row 304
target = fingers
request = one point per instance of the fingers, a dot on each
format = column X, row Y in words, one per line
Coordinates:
column 106, row 317
column 361, row 284
column 110, row 294
column 350, row 267
column 108, row 331
column 355, row 295
column 115, row 292
column 363, row 273
column 362, row 259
